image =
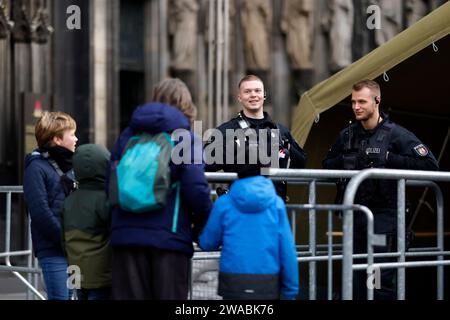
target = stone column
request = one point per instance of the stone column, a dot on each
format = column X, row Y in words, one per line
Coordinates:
column 279, row 92
column 99, row 60
column 113, row 71
column 156, row 54
column 71, row 61
column 5, row 84
column 21, row 77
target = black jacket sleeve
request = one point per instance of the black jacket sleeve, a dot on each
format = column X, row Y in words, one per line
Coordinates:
column 296, row 154
column 407, row 152
column 333, row 159
column 210, row 155
column 215, row 144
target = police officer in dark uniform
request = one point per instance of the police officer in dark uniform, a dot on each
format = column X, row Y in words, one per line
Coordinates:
column 374, row 141
column 253, row 122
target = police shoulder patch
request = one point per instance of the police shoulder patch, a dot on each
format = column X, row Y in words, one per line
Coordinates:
column 421, row 150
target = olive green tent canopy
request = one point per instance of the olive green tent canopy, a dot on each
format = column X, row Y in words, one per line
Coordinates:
column 423, row 36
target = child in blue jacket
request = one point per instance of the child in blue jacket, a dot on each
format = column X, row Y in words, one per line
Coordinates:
column 258, row 259
column 48, row 179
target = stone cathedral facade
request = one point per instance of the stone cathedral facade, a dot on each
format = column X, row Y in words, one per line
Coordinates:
column 98, row 59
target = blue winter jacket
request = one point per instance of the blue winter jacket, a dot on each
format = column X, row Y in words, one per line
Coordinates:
column 258, row 251
column 153, row 229
column 44, row 196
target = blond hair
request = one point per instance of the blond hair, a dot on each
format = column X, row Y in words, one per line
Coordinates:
column 370, row 84
column 174, row 92
column 52, row 124
column 249, row 77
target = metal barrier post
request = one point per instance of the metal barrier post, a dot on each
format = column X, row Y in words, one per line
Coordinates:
column 30, row 261
column 312, row 240
column 8, row 246
column 349, row 197
column 330, row 254
column 401, row 246
column 8, row 223
column 347, row 254
column 370, row 243
column 440, row 240
column 293, row 223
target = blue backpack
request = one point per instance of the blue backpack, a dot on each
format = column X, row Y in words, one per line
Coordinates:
column 140, row 181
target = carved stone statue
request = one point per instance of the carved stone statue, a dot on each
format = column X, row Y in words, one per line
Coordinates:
column 415, row 10
column 5, row 24
column 22, row 22
column 297, row 23
column 256, row 17
column 183, row 28
column 391, row 20
column 339, row 25
column 40, row 26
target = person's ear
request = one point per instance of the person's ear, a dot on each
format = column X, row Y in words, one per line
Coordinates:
column 56, row 140
column 377, row 100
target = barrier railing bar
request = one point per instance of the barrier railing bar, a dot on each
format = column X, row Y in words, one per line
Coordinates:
column 330, row 254
column 409, row 264
column 324, row 256
column 8, row 247
column 312, row 240
column 15, row 253
column 349, row 197
column 401, row 245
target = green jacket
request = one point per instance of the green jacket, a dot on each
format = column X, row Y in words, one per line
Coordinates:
column 86, row 218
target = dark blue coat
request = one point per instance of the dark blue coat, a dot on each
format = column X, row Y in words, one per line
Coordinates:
column 153, row 229
column 44, row 195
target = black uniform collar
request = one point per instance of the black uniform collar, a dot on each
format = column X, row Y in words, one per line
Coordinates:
column 385, row 118
column 266, row 122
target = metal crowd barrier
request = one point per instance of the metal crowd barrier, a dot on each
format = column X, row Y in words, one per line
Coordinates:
column 401, row 176
column 32, row 269
column 312, row 178
column 309, row 253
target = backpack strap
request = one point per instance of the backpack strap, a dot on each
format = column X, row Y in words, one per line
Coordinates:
column 176, row 208
column 68, row 179
column 53, row 163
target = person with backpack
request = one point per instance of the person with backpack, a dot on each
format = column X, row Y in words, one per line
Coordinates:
column 86, row 222
column 48, row 180
column 258, row 256
column 154, row 209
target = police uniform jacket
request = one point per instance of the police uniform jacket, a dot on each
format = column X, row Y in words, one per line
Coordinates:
column 290, row 153
column 388, row 145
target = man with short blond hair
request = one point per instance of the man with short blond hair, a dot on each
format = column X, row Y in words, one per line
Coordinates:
column 374, row 141
column 258, row 131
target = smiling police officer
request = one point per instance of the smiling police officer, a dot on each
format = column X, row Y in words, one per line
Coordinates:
column 258, row 128
column 374, row 141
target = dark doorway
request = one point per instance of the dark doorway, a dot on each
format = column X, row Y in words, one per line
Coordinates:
column 132, row 76
column 131, row 94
